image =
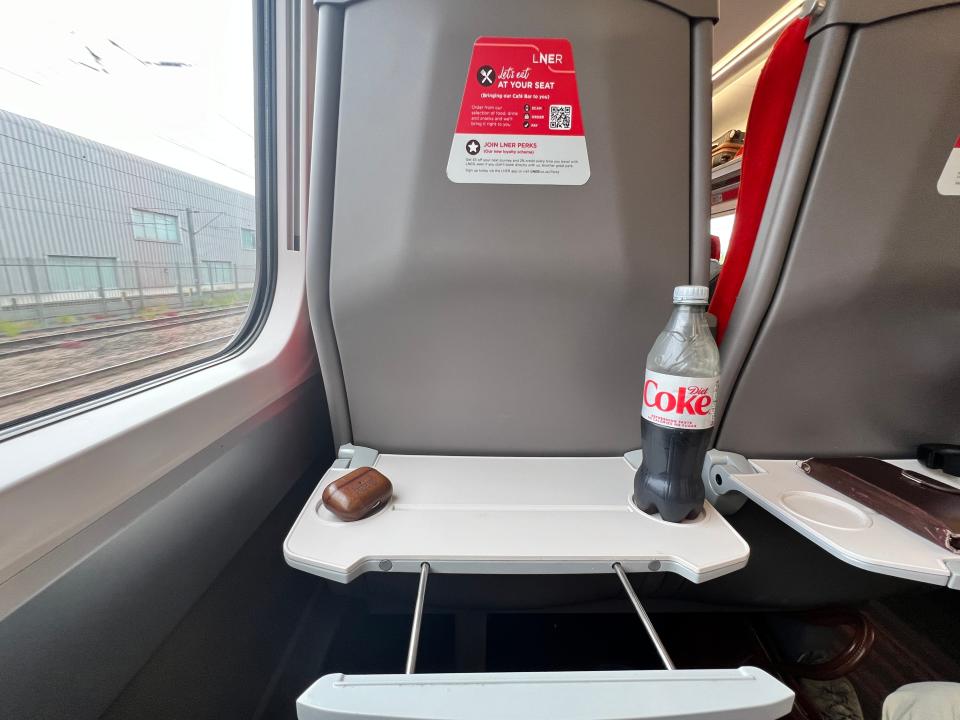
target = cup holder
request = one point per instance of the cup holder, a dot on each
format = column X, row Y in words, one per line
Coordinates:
column 656, row 516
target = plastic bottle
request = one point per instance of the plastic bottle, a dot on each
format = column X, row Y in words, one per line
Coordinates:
column 679, row 398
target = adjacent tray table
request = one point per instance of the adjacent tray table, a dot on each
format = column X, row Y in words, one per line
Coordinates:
column 495, row 515
column 843, row 527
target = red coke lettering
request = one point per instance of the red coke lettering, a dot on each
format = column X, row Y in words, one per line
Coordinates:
column 691, row 401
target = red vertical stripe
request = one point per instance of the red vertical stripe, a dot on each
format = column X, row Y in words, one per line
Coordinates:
column 769, row 113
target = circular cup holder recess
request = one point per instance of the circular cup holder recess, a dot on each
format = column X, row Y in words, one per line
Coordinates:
column 825, row 510
column 656, row 516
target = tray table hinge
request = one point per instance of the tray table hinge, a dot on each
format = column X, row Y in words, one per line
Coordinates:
column 718, row 466
column 352, row 456
column 953, row 566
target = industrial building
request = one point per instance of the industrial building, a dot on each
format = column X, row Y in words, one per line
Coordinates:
column 85, row 227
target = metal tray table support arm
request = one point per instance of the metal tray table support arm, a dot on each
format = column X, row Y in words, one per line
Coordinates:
column 737, row 694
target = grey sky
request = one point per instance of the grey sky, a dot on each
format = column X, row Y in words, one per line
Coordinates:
column 170, row 81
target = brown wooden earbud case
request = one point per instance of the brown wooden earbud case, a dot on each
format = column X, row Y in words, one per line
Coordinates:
column 357, row 494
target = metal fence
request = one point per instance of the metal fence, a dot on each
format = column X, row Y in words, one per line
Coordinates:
column 53, row 292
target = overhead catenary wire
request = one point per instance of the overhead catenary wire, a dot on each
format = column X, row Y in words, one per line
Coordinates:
column 205, row 156
column 206, row 224
column 21, row 77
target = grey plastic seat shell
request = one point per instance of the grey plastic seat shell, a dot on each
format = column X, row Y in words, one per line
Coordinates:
column 502, row 319
column 859, row 350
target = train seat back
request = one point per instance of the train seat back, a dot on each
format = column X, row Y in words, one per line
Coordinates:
column 508, row 319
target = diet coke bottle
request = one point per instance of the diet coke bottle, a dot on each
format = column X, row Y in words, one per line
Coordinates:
column 679, row 395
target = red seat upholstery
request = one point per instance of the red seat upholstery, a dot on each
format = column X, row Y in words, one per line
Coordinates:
column 769, row 112
column 714, row 247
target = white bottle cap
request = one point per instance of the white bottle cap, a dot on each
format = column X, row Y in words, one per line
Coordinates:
column 691, row 295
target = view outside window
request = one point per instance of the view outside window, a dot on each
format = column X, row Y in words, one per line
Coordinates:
column 127, row 215
column 722, row 227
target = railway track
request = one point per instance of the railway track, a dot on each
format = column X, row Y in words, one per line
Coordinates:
column 33, row 343
column 28, row 393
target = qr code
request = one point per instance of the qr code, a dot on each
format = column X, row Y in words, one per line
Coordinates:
column 560, row 117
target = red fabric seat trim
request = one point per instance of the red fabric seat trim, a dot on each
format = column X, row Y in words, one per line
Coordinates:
column 766, row 125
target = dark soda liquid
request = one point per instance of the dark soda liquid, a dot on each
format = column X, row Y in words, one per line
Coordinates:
column 668, row 480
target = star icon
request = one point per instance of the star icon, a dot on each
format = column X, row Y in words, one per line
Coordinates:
column 473, row 147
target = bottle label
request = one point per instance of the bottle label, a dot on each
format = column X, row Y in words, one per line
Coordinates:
column 684, row 403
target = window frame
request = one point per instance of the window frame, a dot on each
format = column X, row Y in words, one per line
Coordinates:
column 153, row 213
column 243, row 238
column 60, row 262
column 212, row 273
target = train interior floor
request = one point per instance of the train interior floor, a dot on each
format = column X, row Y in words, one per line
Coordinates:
column 263, row 632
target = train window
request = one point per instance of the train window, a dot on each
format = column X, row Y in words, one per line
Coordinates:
column 722, row 227
column 127, row 160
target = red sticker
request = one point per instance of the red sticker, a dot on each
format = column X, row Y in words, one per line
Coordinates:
column 949, row 182
column 520, row 119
